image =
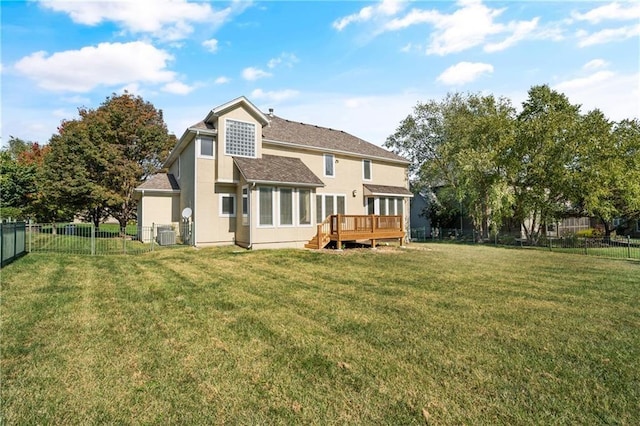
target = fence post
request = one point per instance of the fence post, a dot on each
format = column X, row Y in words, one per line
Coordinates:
column 585, row 246
column 629, row 246
column 124, row 242
column 550, row 245
column 30, row 231
column 153, row 231
column 93, row 239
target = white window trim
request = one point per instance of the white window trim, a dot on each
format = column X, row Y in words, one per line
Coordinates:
column 293, row 210
column 213, row 148
column 273, row 208
column 324, row 165
column 255, row 138
column 245, row 216
column 335, row 203
column 220, row 204
column 370, row 170
column 311, row 209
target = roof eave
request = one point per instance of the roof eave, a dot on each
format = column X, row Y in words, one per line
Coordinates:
column 335, row 151
column 184, row 140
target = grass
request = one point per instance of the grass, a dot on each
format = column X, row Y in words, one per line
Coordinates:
column 443, row 334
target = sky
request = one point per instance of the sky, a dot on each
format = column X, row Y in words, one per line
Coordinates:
column 356, row 66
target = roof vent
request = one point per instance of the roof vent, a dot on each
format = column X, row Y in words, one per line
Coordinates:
column 270, row 112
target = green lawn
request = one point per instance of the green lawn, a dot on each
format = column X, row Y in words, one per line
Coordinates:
column 455, row 334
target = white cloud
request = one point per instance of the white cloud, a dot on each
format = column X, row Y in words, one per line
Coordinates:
column 274, row 96
column 211, row 45
column 252, row 73
column 472, row 24
column 607, row 35
column 177, row 88
column 464, row 72
column 222, row 80
column 612, row 11
column 616, row 95
column 107, row 64
column 595, row 64
column 384, row 8
column 78, row 100
column 286, row 59
column 519, row 31
column 166, row 19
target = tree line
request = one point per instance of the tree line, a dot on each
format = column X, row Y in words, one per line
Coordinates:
column 89, row 168
column 549, row 161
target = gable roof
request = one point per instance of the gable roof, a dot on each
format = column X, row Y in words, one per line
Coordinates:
column 275, row 169
column 160, row 182
column 231, row 105
column 282, row 131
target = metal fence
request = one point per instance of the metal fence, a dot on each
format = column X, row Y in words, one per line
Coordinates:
column 12, row 242
column 614, row 247
column 86, row 238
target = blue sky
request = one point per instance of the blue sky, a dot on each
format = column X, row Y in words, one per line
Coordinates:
column 352, row 65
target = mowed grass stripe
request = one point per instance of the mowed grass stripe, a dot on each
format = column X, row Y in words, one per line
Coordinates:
column 465, row 334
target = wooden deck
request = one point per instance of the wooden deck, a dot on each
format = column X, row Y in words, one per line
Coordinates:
column 343, row 228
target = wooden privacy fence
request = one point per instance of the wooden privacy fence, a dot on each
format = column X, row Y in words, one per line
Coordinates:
column 12, row 242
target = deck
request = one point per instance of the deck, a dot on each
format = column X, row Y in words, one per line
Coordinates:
column 346, row 228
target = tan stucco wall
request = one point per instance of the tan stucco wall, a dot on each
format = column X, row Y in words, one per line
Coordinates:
column 159, row 209
column 211, row 227
column 348, row 175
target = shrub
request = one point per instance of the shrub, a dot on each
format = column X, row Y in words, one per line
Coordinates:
column 589, row 233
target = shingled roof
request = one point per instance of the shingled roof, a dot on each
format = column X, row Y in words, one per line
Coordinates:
column 160, row 182
column 386, row 190
column 308, row 135
column 276, row 169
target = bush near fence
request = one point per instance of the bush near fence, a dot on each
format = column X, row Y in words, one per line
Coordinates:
column 615, row 247
column 85, row 238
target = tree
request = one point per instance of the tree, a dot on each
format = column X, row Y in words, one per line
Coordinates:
column 607, row 169
column 97, row 161
column 546, row 143
column 20, row 164
column 460, row 143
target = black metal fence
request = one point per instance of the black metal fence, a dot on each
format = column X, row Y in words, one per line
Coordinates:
column 615, row 246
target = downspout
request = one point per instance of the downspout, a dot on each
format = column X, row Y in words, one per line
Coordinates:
column 195, row 186
column 249, row 196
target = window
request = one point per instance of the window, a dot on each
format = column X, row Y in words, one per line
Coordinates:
column 328, row 205
column 240, row 138
column 341, row 202
column 227, row 205
column 286, row 206
column 366, row 169
column 638, row 226
column 266, row 206
column 206, row 147
column 383, row 206
column 245, row 205
column 400, row 210
column 371, row 205
column 304, row 207
column 319, row 217
column 329, row 165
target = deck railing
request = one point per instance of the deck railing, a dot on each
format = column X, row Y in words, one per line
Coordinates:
column 360, row 227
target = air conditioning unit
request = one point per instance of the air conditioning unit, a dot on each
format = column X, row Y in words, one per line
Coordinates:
column 166, row 238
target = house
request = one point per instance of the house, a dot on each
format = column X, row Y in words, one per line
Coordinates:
column 260, row 181
column 419, row 219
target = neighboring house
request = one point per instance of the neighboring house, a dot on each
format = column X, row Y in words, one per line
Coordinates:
column 419, row 219
column 259, row 181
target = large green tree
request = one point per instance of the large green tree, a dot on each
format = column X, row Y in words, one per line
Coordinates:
column 96, row 161
column 606, row 172
column 459, row 143
column 547, row 138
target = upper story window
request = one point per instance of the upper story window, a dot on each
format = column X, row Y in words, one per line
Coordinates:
column 329, row 165
column 240, row 138
column 206, row 147
column 366, row 169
